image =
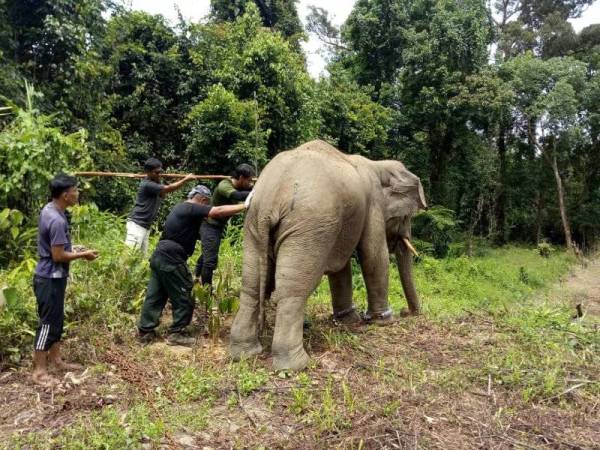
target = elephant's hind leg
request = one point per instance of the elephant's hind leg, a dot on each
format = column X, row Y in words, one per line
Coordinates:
column 297, row 274
column 244, row 331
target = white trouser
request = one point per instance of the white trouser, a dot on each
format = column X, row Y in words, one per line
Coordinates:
column 137, row 236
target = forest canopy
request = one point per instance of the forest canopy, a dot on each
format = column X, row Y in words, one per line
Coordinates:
column 497, row 110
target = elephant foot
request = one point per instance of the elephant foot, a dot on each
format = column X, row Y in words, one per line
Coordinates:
column 347, row 317
column 295, row 361
column 381, row 319
column 239, row 351
column 406, row 312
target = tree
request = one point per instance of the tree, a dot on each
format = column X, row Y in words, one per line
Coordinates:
column 47, row 40
column 534, row 13
column 488, row 102
column 548, row 97
column 416, row 55
column 351, row 120
column 375, row 33
column 254, row 63
column 224, row 132
column 541, row 26
column 280, row 15
column 319, row 23
column 147, row 70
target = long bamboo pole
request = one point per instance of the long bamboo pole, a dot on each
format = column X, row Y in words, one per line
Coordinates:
column 143, row 175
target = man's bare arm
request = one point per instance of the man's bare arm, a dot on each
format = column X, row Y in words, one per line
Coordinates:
column 174, row 186
column 218, row 212
column 60, row 255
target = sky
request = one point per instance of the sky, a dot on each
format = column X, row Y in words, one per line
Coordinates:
column 339, row 10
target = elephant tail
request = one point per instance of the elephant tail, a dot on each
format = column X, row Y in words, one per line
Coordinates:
column 265, row 269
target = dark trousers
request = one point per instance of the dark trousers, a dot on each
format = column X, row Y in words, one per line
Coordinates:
column 172, row 281
column 50, row 296
column 210, row 237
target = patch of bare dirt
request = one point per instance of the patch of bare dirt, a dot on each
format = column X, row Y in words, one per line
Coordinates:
column 583, row 288
column 28, row 407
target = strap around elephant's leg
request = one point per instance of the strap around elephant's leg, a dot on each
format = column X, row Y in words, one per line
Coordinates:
column 343, row 313
column 378, row 316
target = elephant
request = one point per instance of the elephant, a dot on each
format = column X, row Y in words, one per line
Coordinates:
column 312, row 208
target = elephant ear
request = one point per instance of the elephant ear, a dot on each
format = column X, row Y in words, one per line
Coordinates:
column 404, row 196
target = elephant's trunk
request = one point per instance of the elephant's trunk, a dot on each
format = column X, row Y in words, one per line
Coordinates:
column 404, row 261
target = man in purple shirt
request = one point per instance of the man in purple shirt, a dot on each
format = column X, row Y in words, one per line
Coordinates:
column 50, row 279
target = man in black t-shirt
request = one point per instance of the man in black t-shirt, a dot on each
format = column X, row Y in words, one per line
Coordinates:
column 147, row 203
column 170, row 276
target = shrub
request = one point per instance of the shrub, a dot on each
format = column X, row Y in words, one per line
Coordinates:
column 545, row 249
column 16, row 239
column 32, row 151
column 438, row 226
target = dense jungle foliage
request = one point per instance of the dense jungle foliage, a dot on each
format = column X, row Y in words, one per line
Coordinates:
column 495, row 106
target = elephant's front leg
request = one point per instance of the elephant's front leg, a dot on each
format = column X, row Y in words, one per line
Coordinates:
column 297, row 273
column 340, row 284
column 375, row 261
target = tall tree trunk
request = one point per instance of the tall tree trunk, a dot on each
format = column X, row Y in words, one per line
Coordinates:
column 561, row 201
column 501, row 195
column 539, row 217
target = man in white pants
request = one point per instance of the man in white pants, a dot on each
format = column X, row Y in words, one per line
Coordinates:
column 149, row 197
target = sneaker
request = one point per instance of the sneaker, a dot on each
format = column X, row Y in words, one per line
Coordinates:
column 146, row 337
column 180, row 339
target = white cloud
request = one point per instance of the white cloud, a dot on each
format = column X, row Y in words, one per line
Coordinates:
column 589, row 17
column 338, row 10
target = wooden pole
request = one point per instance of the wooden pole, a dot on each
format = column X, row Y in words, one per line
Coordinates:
column 143, row 175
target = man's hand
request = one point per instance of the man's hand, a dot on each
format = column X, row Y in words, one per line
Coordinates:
column 249, row 199
column 89, row 255
column 174, row 186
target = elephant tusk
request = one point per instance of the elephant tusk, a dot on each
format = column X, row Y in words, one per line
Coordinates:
column 410, row 246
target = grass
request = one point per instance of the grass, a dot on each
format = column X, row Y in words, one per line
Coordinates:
column 496, row 358
column 108, row 429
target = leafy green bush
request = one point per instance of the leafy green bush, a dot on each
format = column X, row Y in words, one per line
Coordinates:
column 545, row 249
column 18, row 316
column 223, row 131
column 32, row 151
column 16, row 240
column 436, row 225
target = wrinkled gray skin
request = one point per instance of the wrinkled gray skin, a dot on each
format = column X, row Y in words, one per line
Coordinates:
column 312, row 207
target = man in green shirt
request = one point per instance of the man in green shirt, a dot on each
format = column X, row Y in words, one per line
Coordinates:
column 228, row 192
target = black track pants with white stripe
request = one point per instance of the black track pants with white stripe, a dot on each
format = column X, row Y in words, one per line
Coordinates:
column 50, row 295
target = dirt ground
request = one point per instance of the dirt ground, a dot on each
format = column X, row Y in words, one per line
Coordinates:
column 414, row 385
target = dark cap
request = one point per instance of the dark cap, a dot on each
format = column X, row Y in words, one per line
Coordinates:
column 200, row 190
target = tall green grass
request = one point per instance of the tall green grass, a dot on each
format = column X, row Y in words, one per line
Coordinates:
column 496, row 282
